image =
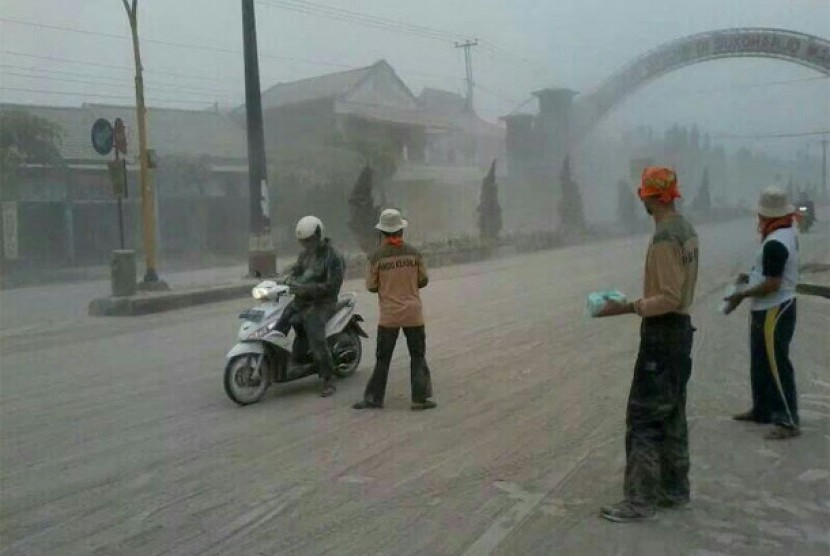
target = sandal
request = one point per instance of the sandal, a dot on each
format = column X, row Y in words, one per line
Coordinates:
column 781, row 432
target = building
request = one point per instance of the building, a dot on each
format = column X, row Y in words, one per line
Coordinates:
column 468, row 140
column 67, row 213
column 365, row 104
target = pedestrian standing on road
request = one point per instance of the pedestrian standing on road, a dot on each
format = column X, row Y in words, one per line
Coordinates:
column 771, row 287
column 657, row 441
column 396, row 272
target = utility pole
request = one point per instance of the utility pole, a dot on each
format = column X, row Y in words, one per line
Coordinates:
column 262, row 259
column 151, row 278
column 468, row 62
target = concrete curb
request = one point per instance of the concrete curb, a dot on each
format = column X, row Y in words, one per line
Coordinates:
column 819, row 290
column 159, row 302
column 147, row 303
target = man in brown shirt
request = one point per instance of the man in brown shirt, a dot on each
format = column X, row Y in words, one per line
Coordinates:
column 396, row 272
column 657, row 440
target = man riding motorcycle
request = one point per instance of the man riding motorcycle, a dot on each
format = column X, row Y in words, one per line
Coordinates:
column 315, row 281
column 806, row 213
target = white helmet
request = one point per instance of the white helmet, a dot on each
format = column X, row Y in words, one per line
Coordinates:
column 308, row 226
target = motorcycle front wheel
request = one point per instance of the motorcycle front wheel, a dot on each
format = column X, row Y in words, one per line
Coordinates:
column 346, row 352
column 246, row 381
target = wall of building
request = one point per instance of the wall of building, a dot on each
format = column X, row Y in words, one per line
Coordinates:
column 297, row 125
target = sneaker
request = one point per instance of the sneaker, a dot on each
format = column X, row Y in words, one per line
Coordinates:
column 426, row 404
column 367, row 405
column 328, row 389
column 626, row 511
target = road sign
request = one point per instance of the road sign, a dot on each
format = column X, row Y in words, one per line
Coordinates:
column 120, row 136
column 102, row 136
column 118, row 177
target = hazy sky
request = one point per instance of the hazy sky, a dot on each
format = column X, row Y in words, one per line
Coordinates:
column 526, row 45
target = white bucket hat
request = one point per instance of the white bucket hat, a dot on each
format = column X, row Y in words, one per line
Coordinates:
column 774, row 203
column 391, row 221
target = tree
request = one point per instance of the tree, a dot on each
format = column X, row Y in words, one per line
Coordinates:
column 626, row 207
column 570, row 208
column 703, row 201
column 381, row 155
column 25, row 138
column 363, row 211
column 489, row 209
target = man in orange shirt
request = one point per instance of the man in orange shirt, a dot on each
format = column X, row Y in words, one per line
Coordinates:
column 657, row 438
column 396, row 272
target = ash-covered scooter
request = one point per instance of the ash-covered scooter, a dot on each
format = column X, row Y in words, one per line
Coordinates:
column 262, row 355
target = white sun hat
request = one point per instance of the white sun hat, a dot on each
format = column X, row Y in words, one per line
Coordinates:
column 774, row 203
column 391, row 221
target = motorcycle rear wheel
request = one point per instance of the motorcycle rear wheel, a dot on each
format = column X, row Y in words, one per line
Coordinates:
column 241, row 384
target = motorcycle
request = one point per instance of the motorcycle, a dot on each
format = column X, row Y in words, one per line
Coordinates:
column 805, row 219
column 262, row 355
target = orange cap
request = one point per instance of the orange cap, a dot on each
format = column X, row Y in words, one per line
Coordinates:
column 659, row 181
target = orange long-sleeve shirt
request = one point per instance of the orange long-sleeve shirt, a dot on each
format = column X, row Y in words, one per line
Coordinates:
column 397, row 273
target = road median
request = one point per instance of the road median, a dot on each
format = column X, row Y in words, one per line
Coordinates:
column 159, row 302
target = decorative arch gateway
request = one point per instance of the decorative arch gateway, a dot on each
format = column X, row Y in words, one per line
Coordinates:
column 800, row 48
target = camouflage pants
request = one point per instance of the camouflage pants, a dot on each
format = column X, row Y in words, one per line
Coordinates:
column 657, row 438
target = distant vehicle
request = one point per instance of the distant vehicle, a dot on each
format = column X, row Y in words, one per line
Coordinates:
column 262, row 355
column 806, row 216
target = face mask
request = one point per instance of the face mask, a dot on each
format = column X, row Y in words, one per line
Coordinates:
column 309, row 244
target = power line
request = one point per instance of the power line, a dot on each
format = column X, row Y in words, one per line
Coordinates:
column 309, row 61
column 386, row 24
column 311, row 7
column 204, row 103
column 109, row 81
column 170, row 43
column 109, row 66
column 360, row 18
column 154, row 71
column 495, row 94
column 494, row 48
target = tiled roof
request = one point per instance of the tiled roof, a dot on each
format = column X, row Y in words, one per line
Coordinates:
column 321, row 87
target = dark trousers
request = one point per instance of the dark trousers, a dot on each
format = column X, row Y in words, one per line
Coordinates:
column 774, row 398
column 657, row 438
column 310, row 325
column 419, row 371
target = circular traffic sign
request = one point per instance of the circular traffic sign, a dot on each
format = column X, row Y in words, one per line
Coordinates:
column 102, row 137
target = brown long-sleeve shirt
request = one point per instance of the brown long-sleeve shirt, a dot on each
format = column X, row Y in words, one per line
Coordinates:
column 671, row 269
column 397, row 273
